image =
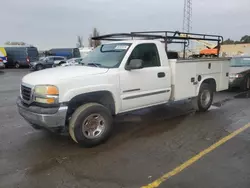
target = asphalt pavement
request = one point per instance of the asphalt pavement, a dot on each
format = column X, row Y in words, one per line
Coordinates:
column 145, row 145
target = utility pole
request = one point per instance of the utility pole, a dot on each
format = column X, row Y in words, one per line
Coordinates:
column 187, row 16
column 187, row 22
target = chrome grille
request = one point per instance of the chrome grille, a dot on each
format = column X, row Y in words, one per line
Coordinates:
column 26, row 93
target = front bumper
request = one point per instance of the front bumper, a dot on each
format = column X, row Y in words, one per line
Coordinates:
column 43, row 117
column 2, row 65
column 32, row 66
column 235, row 82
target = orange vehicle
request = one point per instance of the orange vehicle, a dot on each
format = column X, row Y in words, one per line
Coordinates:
column 209, row 52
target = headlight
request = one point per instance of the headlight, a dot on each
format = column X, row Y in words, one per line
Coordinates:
column 47, row 94
column 236, row 76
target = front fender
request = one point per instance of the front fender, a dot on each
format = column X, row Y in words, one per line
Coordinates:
column 70, row 94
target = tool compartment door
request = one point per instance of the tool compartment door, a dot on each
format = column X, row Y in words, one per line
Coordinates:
column 224, row 77
column 184, row 80
column 218, row 69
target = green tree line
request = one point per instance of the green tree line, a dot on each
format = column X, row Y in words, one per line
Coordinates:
column 243, row 40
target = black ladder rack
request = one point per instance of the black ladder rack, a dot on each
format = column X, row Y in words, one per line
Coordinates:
column 167, row 37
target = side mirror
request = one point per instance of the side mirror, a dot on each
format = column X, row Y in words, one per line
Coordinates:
column 134, row 64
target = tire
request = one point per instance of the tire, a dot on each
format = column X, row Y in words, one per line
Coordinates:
column 36, row 127
column 205, row 97
column 245, row 86
column 39, row 67
column 17, row 65
column 85, row 114
column 230, row 89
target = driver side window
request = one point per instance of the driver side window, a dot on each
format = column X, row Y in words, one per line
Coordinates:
column 50, row 59
column 148, row 53
column 58, row 58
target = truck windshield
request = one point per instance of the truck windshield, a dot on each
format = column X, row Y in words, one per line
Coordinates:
column 240, row 62
column 107, row 55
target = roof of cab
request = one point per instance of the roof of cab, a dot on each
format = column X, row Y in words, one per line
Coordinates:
column 132, row 41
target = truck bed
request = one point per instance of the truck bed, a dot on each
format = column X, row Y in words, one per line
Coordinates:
column 188, row 74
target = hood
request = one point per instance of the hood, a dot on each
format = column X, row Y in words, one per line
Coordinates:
column 235, row 70
column 53, row 75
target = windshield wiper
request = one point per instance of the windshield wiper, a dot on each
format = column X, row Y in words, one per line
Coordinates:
column 95, row 64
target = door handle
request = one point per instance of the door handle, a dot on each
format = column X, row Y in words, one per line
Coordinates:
column 161, row 74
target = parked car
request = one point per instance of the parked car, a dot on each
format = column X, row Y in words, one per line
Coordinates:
column 69, row 62
column 119, row 77
column 45, row 62
column 239, row 76
column 65, row 52
column 21, row 56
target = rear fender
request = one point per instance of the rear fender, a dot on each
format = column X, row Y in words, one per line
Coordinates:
column 209, row 80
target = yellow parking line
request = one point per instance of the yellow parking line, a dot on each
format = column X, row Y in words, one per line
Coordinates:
column 188, row 163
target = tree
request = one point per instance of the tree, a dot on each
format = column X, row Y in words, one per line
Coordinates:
column 94, row 43
column 79, row 43
column 245, row 39
column 228, row 41
column 15, row 43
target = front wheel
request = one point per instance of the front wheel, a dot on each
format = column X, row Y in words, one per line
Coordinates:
column 245, row 86
column 205, row 97
column 90, row 125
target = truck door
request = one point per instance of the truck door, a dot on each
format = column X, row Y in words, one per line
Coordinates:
column 149, row 85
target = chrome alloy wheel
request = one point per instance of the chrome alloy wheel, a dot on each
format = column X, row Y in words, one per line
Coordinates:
column 93, row 126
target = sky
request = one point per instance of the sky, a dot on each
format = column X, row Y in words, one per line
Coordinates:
column 56, row 23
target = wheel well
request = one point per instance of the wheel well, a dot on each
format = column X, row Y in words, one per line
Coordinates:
column 211, row 82
column 61, row 62
column 39, row 64
column 104, row 98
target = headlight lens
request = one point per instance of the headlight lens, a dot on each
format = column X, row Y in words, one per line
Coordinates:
column 46, row 90
column 46, row 94
column 236, row 76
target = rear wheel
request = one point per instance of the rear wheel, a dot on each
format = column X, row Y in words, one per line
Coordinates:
column 205, row 97
column 90, row 125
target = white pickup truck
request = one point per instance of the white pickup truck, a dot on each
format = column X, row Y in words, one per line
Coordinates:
column 118, row 77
